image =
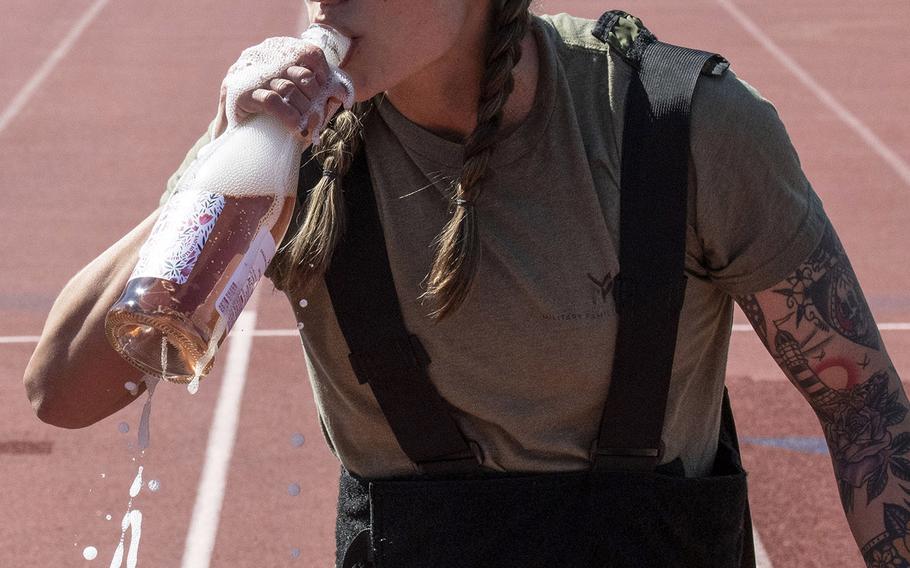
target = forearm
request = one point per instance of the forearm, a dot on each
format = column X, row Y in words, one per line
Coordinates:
column 868, row 434
column 817, row 326
column 75, row 378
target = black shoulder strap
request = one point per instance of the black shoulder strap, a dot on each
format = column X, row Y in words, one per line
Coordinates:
column 383, row 353
column 650, row 288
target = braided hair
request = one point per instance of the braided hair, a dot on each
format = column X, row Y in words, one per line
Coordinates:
column 308, row 254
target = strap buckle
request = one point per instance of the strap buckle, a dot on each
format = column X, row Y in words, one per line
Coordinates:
column 627, row 459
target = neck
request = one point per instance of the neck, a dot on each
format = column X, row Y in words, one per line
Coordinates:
column 443, row 97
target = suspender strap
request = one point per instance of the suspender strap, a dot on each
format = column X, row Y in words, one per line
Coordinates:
column 651, row 285
column 383, row 353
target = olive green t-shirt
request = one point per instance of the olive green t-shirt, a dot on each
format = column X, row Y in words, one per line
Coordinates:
column 525, row 362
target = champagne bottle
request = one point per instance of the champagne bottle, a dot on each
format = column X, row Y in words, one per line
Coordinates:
column 218, row 232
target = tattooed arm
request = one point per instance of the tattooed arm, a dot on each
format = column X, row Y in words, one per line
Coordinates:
column 817, row 326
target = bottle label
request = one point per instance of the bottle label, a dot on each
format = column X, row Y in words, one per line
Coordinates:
column 181, row 231
column 248, row 273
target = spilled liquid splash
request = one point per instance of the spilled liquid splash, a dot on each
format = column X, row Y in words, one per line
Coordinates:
column 203, row 362
column 132, row 520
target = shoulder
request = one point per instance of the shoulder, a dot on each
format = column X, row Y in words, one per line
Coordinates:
column 591, row 68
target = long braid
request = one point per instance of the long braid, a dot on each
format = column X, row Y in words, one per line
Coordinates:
column 307, row 254
column 458, row 252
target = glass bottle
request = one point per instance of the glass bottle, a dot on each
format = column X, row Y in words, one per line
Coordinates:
column 213, row 240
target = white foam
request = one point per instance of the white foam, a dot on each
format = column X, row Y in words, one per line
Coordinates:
column 154, row 485
column 293, row 490
column 137, row 483
column 260, row 155
column 272, row 57
column 203, row 362
column 131, row 520
column 90, row 553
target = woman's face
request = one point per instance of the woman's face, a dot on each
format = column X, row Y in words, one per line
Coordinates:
column 395, row 40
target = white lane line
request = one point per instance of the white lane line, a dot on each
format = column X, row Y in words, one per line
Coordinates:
column 737, row 327
column 761, row 555
column 22, row 97
column 874, row 142
column 276, row 333
column 20, row 339
column 200, row 539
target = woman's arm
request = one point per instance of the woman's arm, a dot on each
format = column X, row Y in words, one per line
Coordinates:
column 817, row 326
column 75, row 378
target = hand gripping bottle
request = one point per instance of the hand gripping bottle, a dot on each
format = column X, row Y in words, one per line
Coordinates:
column 218, row 232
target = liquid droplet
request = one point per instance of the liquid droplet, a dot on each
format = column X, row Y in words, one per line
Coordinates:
column 90, row 553
column 193, row 386
column 298, row 439
column 108, row 517
column 154, row 485
column 303, row 302
column 123, row 427
column 295, row 553
column 137, row 483
column 293, row 490
column 300, row 325
column 103, row 475
column 132, row 387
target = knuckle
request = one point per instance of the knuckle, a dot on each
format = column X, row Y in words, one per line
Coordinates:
column 281, row 86
column 299, row 74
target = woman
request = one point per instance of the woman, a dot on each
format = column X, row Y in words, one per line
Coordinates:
column 495, row 135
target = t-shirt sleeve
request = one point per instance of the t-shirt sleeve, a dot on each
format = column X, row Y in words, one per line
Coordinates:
column 757, row 216
column 190, row 156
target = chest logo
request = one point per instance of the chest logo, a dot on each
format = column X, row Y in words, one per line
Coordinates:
column 604, row 286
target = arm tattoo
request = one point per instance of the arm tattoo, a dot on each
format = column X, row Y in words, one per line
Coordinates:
column 891, row 548
column 824, row 291
column 857, row 426
column 822, row 303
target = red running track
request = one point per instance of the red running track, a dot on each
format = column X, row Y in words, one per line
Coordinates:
column 86, row 156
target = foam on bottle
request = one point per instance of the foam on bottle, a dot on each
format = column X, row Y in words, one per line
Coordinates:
column 269, row 143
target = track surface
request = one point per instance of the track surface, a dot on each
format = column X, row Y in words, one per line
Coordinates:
column 85, row 156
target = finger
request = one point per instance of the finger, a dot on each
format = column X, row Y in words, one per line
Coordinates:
column 272, row 103
column 306, row 80
column 314, row 59
column 291, row 94
column 316, row 120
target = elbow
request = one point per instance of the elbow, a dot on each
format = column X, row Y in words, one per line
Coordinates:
column 61, row 419
column 51, row 410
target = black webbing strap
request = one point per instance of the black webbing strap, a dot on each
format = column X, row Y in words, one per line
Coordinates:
column 383, row 353
column 650, row 288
